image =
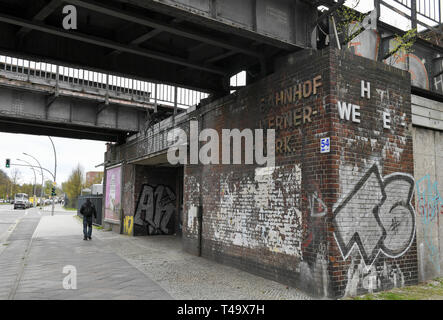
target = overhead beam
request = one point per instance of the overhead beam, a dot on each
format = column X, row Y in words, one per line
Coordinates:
column 220, row 57
column 108, row 44
column 139, row 40
column 41, row 15
column 162, row 26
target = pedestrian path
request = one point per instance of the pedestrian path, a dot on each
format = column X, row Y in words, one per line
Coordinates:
column 101, row 274
column 114, row 266
column 187, row 277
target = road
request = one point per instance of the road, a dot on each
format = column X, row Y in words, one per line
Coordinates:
column 8, row 219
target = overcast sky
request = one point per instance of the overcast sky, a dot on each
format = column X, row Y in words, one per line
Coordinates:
column 70, row 152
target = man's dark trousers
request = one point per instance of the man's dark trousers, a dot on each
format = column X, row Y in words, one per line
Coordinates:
column 87, row 227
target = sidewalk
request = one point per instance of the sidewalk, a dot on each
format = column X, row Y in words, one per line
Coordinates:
column 101, row 274
column 187, row 277
column 114, row 266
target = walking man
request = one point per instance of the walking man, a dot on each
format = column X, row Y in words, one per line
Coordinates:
column 88, row 210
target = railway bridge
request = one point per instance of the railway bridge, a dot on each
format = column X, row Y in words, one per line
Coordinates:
column 353, row 201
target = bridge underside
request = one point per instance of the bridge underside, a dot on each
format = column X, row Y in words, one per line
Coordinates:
column 197, row 44
column 12, row 125
column 69, row 113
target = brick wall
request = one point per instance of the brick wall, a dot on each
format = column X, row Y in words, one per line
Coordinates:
column 373, row 219
column 258, row 218
column 308, row 221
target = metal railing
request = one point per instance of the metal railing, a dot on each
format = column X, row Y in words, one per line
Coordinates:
column 426, row 13
column 106, row 85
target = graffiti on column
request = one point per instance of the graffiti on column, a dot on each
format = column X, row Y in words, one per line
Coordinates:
column 128, row 225
column 155, row 208
column 366, row 44
column 376, row 216
column 417, row 68
column 429, row 205
column 376, row 278
column 423, row 63
column 314, row 270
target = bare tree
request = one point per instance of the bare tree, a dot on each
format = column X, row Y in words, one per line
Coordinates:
column 15, row 178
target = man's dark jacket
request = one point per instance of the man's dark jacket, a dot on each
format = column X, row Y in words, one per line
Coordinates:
column 88, row 210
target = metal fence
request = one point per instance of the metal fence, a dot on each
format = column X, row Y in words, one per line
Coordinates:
column 102, row 84
column 97, row 200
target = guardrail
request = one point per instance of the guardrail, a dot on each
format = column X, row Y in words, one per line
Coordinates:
column 106, row 85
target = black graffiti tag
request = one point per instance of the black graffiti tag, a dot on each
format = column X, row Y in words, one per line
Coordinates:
column 376, row 216
column 155, row 208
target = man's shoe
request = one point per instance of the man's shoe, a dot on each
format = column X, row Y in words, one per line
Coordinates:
column 90, row 238
column 85, row 238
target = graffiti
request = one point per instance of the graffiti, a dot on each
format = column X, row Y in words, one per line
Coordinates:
column 376, row 216
column 429, row 205
column 317, row 210
column 438, row 81
column 362, row 280
column 261, row 210
column 317, row 206
column 366, row 44
column 314, row 275
column 155, row 208
column 421, row 65
column 128, row 225
column 429, row 200
column 415, row 65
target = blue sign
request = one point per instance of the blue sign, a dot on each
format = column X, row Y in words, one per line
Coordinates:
column 325, row 145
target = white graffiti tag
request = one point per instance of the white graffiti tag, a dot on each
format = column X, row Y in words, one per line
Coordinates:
column 377, row 216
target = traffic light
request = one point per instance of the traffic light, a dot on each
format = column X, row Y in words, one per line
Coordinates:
column 53, row 192
column 8, row 163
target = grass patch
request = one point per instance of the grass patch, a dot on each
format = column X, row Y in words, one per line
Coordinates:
column 430, row 290
column 70, row 209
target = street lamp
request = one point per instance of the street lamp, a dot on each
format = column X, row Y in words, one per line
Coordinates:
column 41, row 192
column 35, row 178
column 55, row 172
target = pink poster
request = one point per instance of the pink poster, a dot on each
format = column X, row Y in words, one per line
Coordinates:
column 113, row 194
